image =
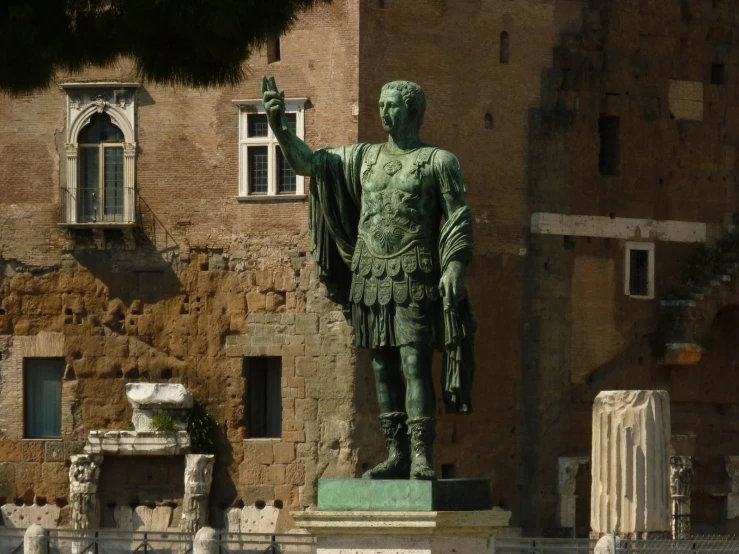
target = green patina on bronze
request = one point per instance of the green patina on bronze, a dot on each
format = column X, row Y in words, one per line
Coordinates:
column 404, row 496
column 379, row 246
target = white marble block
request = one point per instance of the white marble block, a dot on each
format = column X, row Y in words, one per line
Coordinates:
column 148, row 399
column 406, row 532
column 630, row 492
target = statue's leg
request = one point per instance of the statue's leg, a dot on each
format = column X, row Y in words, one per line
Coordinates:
column 391, row 398
column 388, row 380
column 421, row 404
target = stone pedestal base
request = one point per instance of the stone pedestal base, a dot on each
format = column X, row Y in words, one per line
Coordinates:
column 406, row 532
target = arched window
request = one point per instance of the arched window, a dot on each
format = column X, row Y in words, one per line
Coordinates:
column 505, row 47
column 99, row 190
column 488, row 121
column 100, row 171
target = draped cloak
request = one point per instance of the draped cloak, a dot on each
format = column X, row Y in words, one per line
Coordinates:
column 335, row 203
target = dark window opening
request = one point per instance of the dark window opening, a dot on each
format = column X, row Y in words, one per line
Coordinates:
column 258, row 169
column 263, row 397
column 505, row 47
column 718, row 74
column 448, row 471
column 639, row 272
column 488, row 121
column 609, row 157
column 273, row 50
column 257, row 125
column 42, row 397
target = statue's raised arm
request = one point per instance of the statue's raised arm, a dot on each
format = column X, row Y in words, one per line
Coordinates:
column 297, row 153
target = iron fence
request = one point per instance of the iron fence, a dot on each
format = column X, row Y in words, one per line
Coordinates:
column 517, row 545
column 112, row 541
column 11, row 541
column 696, row 545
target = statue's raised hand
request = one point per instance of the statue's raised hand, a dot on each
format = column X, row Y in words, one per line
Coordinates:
column 274, row 103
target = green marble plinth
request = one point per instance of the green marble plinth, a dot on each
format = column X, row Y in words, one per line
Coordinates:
column 458, row 495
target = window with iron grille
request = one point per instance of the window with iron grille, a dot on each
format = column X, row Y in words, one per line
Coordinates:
column 263, row 168
column 639, row 274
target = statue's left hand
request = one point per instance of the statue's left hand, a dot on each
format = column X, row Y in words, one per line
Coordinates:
column 453, row 286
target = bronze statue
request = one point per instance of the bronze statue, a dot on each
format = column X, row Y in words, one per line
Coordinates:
column 375, row 215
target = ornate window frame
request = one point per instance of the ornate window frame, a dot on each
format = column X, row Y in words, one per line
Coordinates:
column 118, row 101
column 246, row 107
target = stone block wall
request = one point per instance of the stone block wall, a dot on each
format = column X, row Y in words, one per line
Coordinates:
column 208, row 282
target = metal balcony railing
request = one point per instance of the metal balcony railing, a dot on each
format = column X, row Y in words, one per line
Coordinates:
column 109, row 205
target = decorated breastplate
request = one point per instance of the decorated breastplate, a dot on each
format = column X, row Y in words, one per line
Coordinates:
column 396, row 256
column 390, row 220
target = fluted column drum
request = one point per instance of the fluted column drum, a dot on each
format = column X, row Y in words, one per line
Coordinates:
column 630, row 492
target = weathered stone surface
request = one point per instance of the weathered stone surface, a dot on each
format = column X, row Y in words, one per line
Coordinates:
column 35, row 540
column 630, row 467
column 568, row 471
column 198, row 480
column 422, row 532
column 134, row 443
column 205, row 542
column 84, row 475
column 263, row 520
column 158, row 395
column 24, row 516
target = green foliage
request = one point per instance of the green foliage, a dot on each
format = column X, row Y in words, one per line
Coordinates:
column 201, row 426
column 184, row 42
column 704, row 265
column 163, row 422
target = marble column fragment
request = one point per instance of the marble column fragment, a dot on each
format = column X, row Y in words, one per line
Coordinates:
column 567, row 485
column 630, row 492
column 198, row 479
column 84, row 474
column 681, row 481
column 732, row 499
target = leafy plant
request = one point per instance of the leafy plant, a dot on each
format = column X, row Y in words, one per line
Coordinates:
column 200, row 427
column 164, row 422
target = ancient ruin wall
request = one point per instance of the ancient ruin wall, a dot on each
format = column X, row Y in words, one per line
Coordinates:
column 211, row 280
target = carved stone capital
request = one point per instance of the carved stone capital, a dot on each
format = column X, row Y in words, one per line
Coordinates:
column 129, row 149
column 71, row 150
column 681, row 476
column 198, row 474
column 84, row 473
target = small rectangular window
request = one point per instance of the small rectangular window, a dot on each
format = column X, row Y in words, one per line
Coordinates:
column 717, row 74
column 258, row 168
column 264, row 397
column 273, row 50
column 43, row 397
column 639, row 274
column 609, row 157
column 287, row 180
column 263, row 169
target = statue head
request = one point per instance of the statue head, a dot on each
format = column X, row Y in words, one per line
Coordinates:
column 402, row 106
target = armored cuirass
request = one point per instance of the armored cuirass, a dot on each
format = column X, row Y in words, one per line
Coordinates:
column 396, row 256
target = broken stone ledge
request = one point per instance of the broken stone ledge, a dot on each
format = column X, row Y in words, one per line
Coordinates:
column 138, row 443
